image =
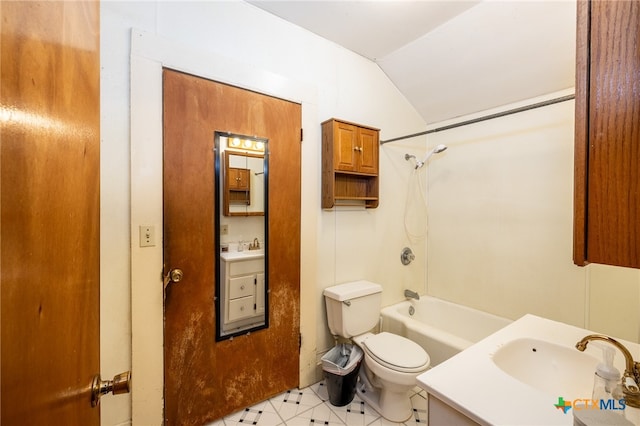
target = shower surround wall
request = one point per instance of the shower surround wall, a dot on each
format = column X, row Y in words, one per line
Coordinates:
column 253, row 49
column 501, row 226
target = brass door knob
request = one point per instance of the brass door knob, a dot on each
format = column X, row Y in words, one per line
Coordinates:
column 121, row 383
column 175, row 275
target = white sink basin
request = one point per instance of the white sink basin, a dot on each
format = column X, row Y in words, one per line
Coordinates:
column 517, row 375
column 548, row 367
column 242, row 255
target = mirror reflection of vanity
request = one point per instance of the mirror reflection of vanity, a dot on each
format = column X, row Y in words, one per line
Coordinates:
column 241, row 173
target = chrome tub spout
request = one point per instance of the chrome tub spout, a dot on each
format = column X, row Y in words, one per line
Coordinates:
column 411, row 295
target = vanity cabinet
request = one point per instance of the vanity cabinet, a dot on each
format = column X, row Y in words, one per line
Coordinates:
column 442, row 414
column 243, row 291
column 349, row 164
column 607, row 134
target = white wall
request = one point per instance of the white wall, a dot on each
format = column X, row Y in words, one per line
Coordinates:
column 499, row 198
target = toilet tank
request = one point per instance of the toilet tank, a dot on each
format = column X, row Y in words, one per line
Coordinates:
column 353, row 308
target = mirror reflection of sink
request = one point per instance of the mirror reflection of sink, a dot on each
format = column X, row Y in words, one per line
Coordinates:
column 548, row 367
column 240, row 255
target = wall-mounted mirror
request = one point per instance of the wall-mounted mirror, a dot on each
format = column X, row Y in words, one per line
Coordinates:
column 243, row 193
column 241, row 294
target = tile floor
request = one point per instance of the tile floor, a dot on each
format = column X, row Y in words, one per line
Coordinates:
column 310, row 406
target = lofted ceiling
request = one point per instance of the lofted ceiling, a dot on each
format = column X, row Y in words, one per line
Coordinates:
column 451, row 58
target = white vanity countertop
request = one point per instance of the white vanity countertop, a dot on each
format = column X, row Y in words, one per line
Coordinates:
column 472, row 384
column 231, row 256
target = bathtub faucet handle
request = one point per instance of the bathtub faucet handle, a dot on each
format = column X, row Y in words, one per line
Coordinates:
column 411, row 295
column 407, row 256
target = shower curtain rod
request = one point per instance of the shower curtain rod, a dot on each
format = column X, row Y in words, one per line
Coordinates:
column 485, row 118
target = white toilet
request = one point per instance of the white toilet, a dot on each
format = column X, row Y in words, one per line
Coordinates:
column 391, row 362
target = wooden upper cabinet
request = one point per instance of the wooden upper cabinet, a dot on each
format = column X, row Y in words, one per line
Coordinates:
column 349, row 164
column 239, row 179
column 607, row 137
column 355, row 147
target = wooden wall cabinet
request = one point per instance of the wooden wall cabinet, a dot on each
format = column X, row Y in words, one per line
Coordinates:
column 349, row 164
column 239, row 186
column 607, row 138
column 238, row 179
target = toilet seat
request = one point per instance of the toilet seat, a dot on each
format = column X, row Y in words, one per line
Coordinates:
column 396, row 352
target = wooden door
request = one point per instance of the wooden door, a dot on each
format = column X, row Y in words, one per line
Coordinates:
column 345, row 148
column 205, row 379
column 368, row 152
column 49, row 248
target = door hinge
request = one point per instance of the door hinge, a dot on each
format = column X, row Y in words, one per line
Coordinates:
column 301, row 134
column 299, row 342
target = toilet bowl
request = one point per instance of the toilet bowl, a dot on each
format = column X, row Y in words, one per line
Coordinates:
column 391, row 362
column 391, row 365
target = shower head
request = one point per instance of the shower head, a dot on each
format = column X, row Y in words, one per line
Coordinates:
column 437, row 150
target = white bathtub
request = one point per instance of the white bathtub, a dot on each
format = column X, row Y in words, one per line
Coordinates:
column 442, row 328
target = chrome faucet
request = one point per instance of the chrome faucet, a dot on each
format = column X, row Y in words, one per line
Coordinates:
column 411, row 295
column 631, row 375
column 255, row 245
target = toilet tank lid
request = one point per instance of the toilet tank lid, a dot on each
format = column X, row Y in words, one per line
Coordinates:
column 352, row 290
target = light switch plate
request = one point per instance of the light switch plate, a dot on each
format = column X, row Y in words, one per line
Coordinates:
column 147, row 236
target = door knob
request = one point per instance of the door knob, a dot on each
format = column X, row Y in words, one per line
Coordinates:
column 121, row 383
column 175, row 275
